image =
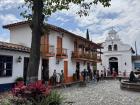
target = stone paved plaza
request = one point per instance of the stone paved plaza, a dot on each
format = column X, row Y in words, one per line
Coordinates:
column 103, row 93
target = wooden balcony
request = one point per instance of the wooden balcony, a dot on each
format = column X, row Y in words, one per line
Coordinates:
column 47, row 50
column 61, row 53
column 78, row 55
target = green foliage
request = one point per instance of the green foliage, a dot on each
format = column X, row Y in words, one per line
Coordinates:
column 14, row 101
column 20, row 101
column 19, row 79
column 51, row 6
column 54, row 98
column 5, row 102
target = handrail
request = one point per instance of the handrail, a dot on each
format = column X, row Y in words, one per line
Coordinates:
column 47, row 49
column 61, row 51
column 81, row 54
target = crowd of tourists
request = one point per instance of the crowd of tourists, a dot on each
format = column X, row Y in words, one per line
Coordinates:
column 87, row 75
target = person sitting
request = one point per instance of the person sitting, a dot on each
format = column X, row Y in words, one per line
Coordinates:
column 132, row 77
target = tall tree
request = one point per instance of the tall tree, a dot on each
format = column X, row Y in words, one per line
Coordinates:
column 87, row 35
column 44, row 8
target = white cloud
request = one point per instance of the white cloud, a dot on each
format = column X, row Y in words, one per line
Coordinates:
column 125, row 19
column 8, row 4
column 8, row 18
column 62, row 19
column 77, row 31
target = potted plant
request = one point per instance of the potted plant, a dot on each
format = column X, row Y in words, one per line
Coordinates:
column 19, row 80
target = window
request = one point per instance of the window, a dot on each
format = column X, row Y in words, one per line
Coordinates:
column 115, row 47
column 6, row 63
column 109, row 48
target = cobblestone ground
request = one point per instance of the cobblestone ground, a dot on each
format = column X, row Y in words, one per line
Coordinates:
column 102, row 93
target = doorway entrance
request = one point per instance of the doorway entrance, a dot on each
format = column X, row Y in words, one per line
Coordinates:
column 77, row 71
column 113, row 64
column 26, row 61
column 65, row 70
column 45, row 69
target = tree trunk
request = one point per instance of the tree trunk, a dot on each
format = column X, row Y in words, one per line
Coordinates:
column 36, row 23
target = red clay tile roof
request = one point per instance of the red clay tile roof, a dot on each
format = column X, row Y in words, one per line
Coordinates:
column 13, row 47
column 56, row 28
column 15, row 24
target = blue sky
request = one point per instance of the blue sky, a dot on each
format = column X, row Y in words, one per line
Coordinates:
column 123, row 15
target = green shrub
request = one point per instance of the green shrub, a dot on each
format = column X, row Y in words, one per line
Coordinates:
column 54, row 98
column 15, row 101
column 20, row 101
column 5, row 102
column 19, row 79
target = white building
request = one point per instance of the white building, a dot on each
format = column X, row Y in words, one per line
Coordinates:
column 60, row 50
column 116, row 55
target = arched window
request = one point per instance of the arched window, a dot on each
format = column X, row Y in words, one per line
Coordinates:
column 115, row 47
column 109, row 48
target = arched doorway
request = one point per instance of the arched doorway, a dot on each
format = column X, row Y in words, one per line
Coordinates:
column 113, row 64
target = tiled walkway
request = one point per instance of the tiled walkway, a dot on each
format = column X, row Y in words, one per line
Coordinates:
column 106, row 92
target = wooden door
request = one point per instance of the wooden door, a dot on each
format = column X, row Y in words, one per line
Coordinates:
column 44, row 44
column 26, row 61
column 45, row 69
column 65, row 70
column 59, row 45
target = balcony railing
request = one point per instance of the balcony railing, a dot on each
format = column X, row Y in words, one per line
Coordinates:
column 47, row 50
column 84, row 56
column 61, row 53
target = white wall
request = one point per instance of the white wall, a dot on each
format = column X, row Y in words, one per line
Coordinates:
column 18, row 68
column 68, row 43
column 21, row 35
column 123, row 54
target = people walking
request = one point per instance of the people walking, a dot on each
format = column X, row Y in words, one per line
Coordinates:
column 54, row 77
column 102, row 75
column 62, row 80
column 45, row 76
column 94, row 75
column 114, row 74
column 77, row 74
column 88, row 74
column 97, row 76
column 84, row 74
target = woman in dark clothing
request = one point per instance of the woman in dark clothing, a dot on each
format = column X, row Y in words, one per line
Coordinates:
column 54, row 77
column 132, row 77
column 97, row 76
column 84, row 74
column 77, row 74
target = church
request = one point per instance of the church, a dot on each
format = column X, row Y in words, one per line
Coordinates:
column 117, row 56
